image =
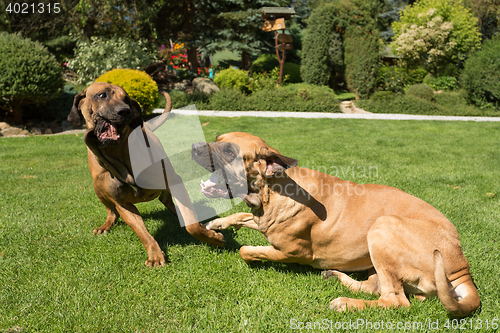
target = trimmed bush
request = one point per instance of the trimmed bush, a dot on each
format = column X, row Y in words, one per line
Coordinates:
column 481, row 75
column 100, row 56
column 265, row 63
column 361, row 71
column 268, row 62
column 139, row 85
column 181, row 99
column 422, row 91
column 30, row 74
column 446, row 104
column 396, row 79
column 293, row 72
column 445, row 83
column 233, row 78
column 293, row 97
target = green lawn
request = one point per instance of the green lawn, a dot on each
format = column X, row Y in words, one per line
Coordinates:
column 58, row 277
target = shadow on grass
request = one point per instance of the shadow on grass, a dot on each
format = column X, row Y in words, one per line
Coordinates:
column 170, row 232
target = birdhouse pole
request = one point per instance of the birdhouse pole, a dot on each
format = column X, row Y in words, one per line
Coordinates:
column 274, row 20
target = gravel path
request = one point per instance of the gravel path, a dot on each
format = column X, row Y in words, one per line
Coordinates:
column 374, row 116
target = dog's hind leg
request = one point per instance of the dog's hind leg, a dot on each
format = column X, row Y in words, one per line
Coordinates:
column 112, row 216
column 389, row 257
column 371, row 285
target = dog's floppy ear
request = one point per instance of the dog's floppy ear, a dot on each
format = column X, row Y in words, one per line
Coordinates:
column 135, row 107
column 276, row 162
column 75, row 116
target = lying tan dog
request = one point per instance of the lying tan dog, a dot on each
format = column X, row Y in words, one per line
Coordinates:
column 111, row 115
column 312, row 218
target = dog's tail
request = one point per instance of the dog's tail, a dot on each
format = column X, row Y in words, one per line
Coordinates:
column 153, row 125
column 466, row 298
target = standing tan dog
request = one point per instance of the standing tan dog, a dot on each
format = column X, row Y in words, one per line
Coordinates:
column 312, row 218
column 111, row 115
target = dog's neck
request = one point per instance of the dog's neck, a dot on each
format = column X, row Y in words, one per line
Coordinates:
column 110, row 158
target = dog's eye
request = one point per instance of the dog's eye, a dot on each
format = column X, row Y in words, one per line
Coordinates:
column 102, row 95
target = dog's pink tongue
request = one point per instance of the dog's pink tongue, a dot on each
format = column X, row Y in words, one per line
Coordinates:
column 110, row 133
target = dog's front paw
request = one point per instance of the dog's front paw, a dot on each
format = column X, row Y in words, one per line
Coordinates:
column 156, row 260
column 340, row 304
column 101, row 230
column 218, row 224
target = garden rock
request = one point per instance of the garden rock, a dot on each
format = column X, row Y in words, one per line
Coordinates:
column 3, row 126
column 205, row 85
column 183, row 85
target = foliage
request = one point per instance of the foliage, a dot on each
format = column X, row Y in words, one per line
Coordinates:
column 100, row 55
column 336, row 32
column 181, row 99
column 293, row 97
column 292, row 70
column 266, row 81
column 445, row 83
column 268, row 62
column 361, row 71
column 481, row 75
column 434, row 32
column 139, row 85
column 233, row 78
column 174, row 56
column 421, row 90
column 62, row 47
column 396, row 79
column 488, row 14
column 445, row 104
column 30, row 73
column 265, row 62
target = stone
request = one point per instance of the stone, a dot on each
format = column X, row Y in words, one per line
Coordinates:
column 36, row 131
column 10, row 131
column 205, row 85
column 47, row 131
column 3, row 126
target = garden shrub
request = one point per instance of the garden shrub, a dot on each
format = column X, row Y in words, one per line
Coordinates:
column 265, row 63
column 268, row 62
column 30, row 74
column 181, row 99
column 139, row 85
column 338, row 32
column 293, row 97
column 99, row 56
column 62, row 47
column 293, row 72
column 446, row 104
column 445, row 83
column 422, row 91
column 481, row 75
column 265, row 80
column 233, row 78
column 396, row 79
column 361, row 71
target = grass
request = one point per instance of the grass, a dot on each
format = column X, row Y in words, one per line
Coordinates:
column 58, row 277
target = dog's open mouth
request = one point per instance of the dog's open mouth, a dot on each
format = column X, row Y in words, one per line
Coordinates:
column 215, row 186
column 106, row 132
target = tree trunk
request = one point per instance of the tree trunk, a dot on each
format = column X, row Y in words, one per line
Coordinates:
column 192, row 54
column 246, row 62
